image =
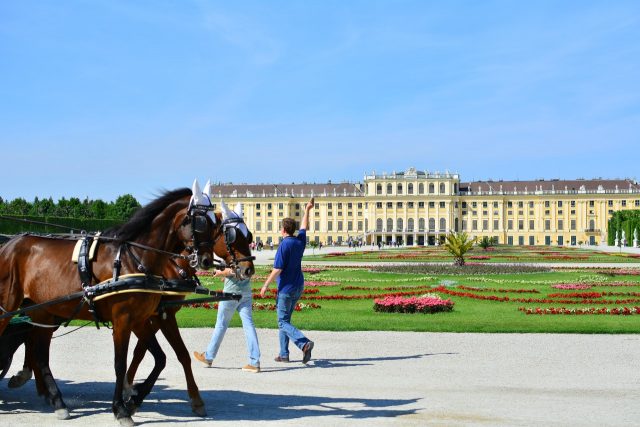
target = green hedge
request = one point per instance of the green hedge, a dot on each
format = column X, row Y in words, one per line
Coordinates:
column 75, row 225
column 623, row 220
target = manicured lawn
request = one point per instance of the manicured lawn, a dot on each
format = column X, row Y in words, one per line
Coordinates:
column 500, row 254
column 346, row 297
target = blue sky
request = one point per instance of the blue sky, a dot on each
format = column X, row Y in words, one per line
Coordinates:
column 103, row 98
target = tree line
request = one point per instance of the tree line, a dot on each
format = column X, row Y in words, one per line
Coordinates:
column 89, row 215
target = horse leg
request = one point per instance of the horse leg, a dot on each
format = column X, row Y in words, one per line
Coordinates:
column 146, row 340
column 170, row 330
column 121, row 336
column 37, row 350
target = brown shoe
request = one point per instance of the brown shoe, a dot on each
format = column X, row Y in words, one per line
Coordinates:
column 201, row 358
column 282, row 359
column 252, row 369
column 306, row 352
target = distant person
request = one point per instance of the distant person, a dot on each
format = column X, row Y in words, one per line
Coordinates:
column 287, row 270
column 225, row 313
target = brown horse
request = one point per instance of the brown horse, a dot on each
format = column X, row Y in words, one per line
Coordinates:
column 40, row 269
column 236, row 235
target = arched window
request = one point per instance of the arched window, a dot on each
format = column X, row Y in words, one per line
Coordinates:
column 432, row 224
column 421, row 188
column 379, row 224
column 432, row 188
column 455, row 188
column 400, row 224
column 389, row 188
column 399, row 191
column 455, row 224
column 410, row 189
column 389, row 224
column 421, row 224
column 443, row 224
column 442, row 188
column 379, row 189
column 410, row 224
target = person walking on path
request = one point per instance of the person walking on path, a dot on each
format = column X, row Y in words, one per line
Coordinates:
column 225, row 313
column 287, row 269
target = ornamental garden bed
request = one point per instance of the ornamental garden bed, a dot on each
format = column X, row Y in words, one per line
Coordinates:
column 344, row 298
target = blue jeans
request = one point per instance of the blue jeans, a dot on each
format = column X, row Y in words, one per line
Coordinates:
column 225, row 313
column 286, row 305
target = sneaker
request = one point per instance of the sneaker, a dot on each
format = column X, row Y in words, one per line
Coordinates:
column 284, row 359
column 252, row 369
column 306, row 352
column 201, row 358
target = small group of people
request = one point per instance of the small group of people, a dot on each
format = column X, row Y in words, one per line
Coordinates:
column 287, row 272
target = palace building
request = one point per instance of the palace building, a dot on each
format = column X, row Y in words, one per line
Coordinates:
column 420, row 208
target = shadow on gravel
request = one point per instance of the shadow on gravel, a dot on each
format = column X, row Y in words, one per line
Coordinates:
column 85, row 399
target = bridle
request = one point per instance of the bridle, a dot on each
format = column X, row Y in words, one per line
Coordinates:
column 230, row 230
column 198, row 216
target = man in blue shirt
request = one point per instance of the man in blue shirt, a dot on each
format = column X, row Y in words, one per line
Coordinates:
column 287, row 269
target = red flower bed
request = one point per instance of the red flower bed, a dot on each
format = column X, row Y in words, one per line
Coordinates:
column 515, row 291
column 320, row 283
column 312, row 270
column 571, row 286
column 576, row 295
column 391, row 304
column 259, row 306
column 479, row 257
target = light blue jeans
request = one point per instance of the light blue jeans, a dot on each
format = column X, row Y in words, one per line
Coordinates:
column 225, row 313
column 286, row 306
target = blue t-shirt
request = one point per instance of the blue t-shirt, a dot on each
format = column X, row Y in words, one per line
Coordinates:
column 289, row 260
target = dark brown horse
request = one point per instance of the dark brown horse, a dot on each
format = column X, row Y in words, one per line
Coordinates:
column 40, row 269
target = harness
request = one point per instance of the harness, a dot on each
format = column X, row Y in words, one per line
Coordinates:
column 143, row 282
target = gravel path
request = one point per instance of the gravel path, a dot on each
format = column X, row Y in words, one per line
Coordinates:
column 360, row 378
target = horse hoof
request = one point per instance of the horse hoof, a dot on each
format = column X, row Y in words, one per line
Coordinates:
column 200, row 411
column 63, row 414
column 20, row 379
column 126, row 422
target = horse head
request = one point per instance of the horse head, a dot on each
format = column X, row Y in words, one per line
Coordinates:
column 233, row 240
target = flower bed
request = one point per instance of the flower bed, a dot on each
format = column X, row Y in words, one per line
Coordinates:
column 429, row 304
column 259, row 306
column 571, row 286
column 624, row 311
column 469, row 268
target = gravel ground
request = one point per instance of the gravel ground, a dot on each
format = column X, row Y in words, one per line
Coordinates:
column 359, row 378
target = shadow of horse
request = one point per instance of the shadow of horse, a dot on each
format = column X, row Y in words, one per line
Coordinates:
column 170, row 405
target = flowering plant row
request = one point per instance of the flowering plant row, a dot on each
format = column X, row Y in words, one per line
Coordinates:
column 394, row 304
column 388, row 288
column 581, row 311
column 571, row 286
column 269, row 306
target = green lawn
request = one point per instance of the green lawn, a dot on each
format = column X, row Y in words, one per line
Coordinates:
column 468, row 315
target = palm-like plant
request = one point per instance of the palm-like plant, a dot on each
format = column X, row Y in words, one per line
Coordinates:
column 458, row 244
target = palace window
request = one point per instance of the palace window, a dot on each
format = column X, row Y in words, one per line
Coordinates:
column 474, row 224
column 400, row 224
column 389, row 188
column 547, row 224
column 572, row 224
column 339, row 225
column 421, row 204
column 443, row 224
column 379, row 224
column 399, row 204
column 410, row 224
column 442, row 189
column 379, row 205
column 520, row 224
column 547, row 203
column 432, row 204
column 624, row 203
column 560, row 224
column 432, row 189
column 510, row 224
column 532, row 224
column 359, row 225
column 389, row 205
column 258, row 226
column 464, row 205
column 420, row 188
column 410, row 205
column 495, row 204
column 399, row 187
column 609, row 203
column 410, row 189
column 316, row 226
column 520, row 204
column 442, row 204
column 330, row 226
column 421, row 224
column 432, row 224
column 485, row 224
column 389, row 224
column 531, row 205
column 559, row 203
column 496, row 224
column 378, row 189
column 573, row 203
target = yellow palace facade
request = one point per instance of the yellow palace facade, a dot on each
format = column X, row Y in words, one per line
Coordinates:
column 421, row 207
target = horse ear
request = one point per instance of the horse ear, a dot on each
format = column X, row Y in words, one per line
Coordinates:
column 207, row 192
column 238, row 209
column 226, row 212
column 196, row 199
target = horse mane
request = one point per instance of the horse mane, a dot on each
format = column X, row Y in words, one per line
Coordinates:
column 140, row 222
